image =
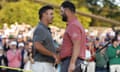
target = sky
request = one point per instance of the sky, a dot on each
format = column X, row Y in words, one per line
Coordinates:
column 117, row 2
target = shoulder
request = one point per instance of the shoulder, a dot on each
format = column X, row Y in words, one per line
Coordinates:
column 8, row 51
column 39, row 27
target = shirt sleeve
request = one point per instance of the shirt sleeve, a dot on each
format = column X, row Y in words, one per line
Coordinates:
column 74, row 32
column 110, row 53
column 19, row 55
column 39, row 35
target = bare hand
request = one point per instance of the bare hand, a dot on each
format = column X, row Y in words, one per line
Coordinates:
column 71, row 68
column 118, row 52
column 30, row 54
column 57, row 58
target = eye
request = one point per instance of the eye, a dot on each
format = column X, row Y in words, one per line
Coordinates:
column 51, row 13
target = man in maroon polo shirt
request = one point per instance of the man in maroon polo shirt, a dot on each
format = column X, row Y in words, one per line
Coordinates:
column 74, row 39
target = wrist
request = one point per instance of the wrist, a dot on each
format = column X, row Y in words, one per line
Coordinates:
column 53, row 55
column 72, row 62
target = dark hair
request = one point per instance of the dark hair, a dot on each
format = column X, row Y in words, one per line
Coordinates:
column 44, row 9
column 68, row 4
column 113, row 40
column 26, row 43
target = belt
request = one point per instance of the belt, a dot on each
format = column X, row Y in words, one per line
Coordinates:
column 70, row 58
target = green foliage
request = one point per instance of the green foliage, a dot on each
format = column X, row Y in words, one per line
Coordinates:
column 27, row 11
column 58, row 20
column 20, row 12
column 84, row 20
column 106, row 8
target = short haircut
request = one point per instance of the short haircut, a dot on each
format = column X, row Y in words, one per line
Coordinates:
column 69, row 5
column 44, row 9
column 113, row 40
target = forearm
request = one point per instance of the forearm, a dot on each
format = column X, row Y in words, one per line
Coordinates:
column 42, row 49
column 31, row 60
column 75, row 53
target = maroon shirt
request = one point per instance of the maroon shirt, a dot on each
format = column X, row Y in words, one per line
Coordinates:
column 74, row 31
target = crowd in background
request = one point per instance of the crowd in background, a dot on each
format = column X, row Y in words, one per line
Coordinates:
column 16, row 48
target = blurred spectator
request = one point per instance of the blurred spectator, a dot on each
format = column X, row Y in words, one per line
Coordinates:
column 14, row 57
column 29, row 58
column 96, row 43
column 11, row 38
column 101, row 60
column 92, row 36
column 21, row 47
column 113, row 53
column 90, row 56
column 110, row 36
column 20, row 38
column 5, row 42
column 3, row 60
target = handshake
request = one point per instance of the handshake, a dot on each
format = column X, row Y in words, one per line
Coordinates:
column 57, row 58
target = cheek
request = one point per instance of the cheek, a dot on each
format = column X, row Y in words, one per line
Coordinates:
column 51, row 16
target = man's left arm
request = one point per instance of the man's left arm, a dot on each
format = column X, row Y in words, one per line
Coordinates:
column 75, row 35
column 75, row 54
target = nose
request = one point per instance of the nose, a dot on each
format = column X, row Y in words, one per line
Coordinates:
column 52, row 17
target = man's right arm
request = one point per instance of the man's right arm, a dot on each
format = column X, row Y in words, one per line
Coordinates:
column 38, row 38
column 40, row 48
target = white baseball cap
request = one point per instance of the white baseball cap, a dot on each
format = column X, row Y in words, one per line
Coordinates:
column 20, row 36
column 21, row 44
column 13, row 43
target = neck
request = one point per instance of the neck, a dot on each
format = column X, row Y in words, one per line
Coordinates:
column 44, row 22
column 115, row 46
column 13, row 50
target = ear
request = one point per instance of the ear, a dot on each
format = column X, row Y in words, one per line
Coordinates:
column 44, row 15
column 67, row 11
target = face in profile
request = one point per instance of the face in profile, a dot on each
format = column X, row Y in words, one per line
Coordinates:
column 115, row 43
column 64, row 16
column 50, row 16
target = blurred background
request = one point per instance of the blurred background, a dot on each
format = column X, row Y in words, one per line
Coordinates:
column 18, row 19
column 26, row 12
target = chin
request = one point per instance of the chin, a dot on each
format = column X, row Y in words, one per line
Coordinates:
column 65, row 20
column 50, row 22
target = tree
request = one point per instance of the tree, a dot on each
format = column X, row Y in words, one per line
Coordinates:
column 27, row 11
column 84, row 20
column 106, row 8
column 22, row 11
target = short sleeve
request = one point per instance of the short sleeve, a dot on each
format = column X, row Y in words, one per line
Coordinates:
column 39, row 35
column 74, row 32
